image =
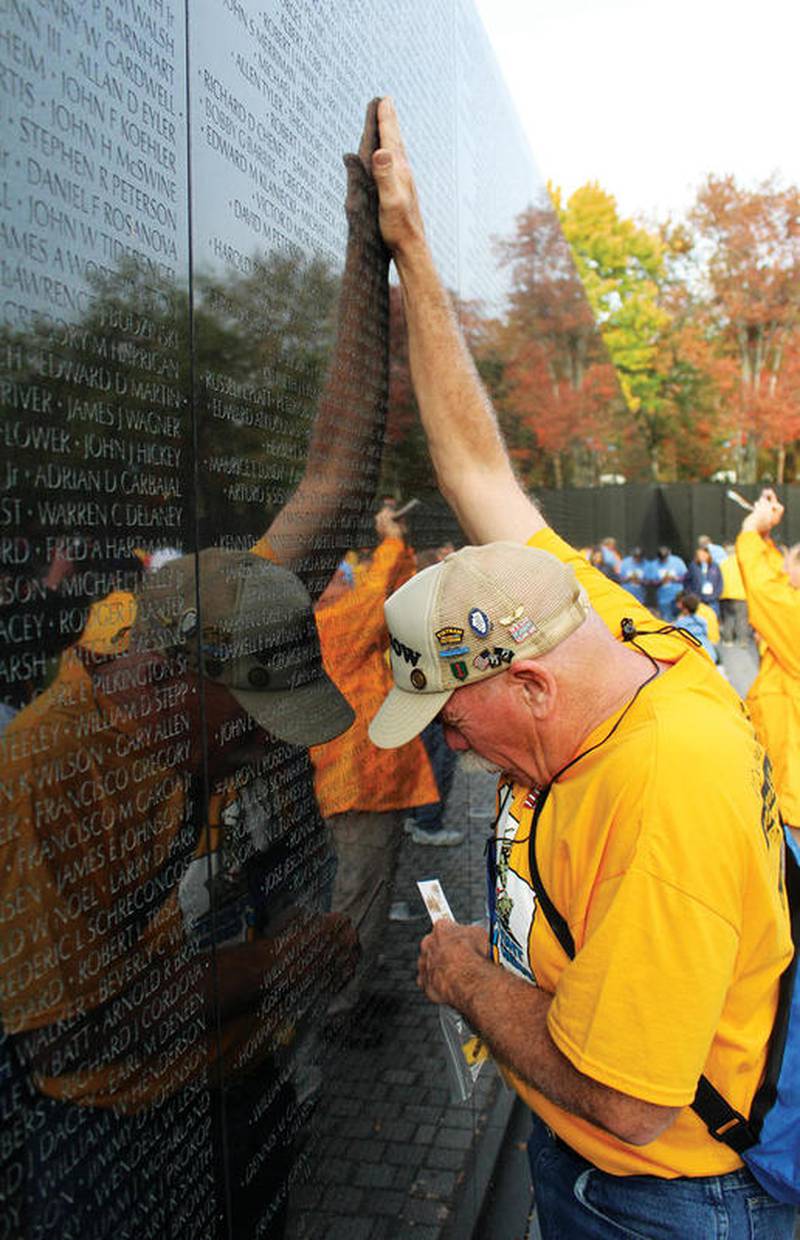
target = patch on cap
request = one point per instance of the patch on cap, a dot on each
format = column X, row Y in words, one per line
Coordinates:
column 493, row 658
column 479, row 622
column 187, row 625
column 521, row 628
column 450, row 635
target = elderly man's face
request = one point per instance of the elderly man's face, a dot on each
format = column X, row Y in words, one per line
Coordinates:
column 487, row 718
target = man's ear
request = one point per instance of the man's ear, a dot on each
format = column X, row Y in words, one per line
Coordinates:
column 538, row 685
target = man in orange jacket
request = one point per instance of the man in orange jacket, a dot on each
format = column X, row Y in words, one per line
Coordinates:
column 363, row 791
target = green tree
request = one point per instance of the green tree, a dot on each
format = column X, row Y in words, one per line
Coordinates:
column 622, row 267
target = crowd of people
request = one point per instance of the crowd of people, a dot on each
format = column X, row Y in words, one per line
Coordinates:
column 706, row 597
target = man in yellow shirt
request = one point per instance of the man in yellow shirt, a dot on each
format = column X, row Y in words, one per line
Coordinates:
column 733, row 601
column 362, row 791
column 631, row 777
column 772, row 583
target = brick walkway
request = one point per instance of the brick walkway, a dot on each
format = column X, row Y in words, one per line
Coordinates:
column 393, row 1157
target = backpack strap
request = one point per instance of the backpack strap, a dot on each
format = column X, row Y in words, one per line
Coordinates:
column 724, row 1122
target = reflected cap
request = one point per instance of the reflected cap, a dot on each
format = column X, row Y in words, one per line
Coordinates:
column 254, row 632
column 467, row 619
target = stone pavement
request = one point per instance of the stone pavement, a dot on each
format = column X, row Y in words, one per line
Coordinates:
column 393, row 1158
column 741, row 666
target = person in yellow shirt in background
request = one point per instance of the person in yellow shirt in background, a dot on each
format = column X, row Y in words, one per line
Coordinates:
column 712, row 623
column 363, row 791
column 772, row 582
column 735, row 625
column 633, row 791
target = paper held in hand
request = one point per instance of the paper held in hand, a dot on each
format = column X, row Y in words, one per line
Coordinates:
column 466, row 1052
column 739, row 499
column 435, row 900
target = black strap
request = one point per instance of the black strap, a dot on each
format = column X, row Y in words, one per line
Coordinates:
column 557, row 923
column 554, row 919
column 723, row 1122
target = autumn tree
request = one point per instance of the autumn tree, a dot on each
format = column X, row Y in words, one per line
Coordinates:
column 559, row 390
column 751, row 246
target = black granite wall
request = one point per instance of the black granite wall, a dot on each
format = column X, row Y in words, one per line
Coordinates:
column 201, row 348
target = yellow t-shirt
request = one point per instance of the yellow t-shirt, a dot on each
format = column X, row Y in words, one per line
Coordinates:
column 663, row 851
column 712, row 623
column 774, row 697
column 732, row 584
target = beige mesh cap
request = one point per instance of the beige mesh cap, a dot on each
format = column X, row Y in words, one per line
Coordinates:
column 255, row 634
column 469, row 618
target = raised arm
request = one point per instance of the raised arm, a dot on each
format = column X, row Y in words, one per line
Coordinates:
column 472, row 466
column 773, row 603
column 323, row 517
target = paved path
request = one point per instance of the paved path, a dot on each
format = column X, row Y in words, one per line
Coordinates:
column 741, row 666
column 393, row 1157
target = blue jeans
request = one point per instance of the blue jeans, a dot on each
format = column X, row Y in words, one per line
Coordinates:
column 577, row 1201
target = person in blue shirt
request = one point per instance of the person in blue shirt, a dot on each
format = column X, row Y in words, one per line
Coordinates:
column 667, row 571
column 688, row 619
column 599, row 561
column 718, row 553
column 632, row 572
column 704, row 578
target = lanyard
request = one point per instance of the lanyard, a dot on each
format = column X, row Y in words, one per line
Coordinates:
column 490, row 852
column 629, row 633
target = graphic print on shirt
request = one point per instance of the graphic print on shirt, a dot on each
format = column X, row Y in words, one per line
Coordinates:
column 515, row 902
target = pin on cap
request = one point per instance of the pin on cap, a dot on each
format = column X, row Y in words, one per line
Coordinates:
column 527, row 591
column 479, row 622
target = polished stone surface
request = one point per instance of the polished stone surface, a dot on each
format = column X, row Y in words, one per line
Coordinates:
column 202, row 348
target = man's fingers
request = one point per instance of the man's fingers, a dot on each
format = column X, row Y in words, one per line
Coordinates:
column 389, row 128
column 370, row 136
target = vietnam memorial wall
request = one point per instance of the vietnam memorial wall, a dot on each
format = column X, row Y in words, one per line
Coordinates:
column 191, row 334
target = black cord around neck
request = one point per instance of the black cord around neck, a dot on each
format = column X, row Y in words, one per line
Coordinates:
column 629, row 633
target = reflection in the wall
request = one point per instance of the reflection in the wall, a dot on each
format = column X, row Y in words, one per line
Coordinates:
column 208, row 1021
column 166, row 873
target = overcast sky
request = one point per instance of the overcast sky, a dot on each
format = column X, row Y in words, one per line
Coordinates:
column 647, row 96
